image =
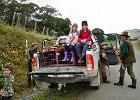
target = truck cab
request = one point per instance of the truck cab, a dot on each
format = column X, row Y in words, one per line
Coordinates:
column 48, row 65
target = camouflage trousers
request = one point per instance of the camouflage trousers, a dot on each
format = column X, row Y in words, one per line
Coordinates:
column 103, row 70
column 129, row 67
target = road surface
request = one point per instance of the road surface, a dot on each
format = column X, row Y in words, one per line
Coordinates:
column 111, row 92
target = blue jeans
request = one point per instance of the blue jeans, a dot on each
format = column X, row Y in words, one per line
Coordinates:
column 81, row 48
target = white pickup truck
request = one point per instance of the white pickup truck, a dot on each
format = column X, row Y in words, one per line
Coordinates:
column 50, row 68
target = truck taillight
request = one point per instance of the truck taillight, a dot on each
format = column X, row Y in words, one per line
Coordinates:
column 35, row 62
column 42, row 50
column 90, row 62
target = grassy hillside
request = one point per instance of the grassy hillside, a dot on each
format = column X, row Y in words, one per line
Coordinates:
column 135, row 31
column 138, row 45
column 12, row 49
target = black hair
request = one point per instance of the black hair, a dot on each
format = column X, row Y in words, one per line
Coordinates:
column 84, row 23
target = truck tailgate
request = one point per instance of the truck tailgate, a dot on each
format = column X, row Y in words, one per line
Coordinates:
column 60, row 70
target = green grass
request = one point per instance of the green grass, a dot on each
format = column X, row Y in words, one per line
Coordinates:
column 12, row 49
column 71, row 92
column 138, row 45
column 40, row 96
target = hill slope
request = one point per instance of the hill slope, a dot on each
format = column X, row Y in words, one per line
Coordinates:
column 12, row 49
column 134, row 31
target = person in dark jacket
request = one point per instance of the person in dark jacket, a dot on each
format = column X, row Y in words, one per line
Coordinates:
column 127, row 59
column 83, row 41
column 32, row 50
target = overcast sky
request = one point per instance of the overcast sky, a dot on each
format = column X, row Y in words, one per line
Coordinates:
column 109, row 15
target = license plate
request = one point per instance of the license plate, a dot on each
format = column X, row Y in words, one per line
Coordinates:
column 63, row 75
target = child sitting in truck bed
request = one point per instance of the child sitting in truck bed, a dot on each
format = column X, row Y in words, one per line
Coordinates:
column 83, row 41
column 70, row 43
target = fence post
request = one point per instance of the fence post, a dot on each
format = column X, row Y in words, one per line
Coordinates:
column 18, row 19
column 47, row 31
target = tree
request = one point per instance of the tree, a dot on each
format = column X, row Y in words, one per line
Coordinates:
column 28, row 11
column 3, row 6
column 10, row 8
column 16, row 12
column 62, row 26
column 49, row 10
column 99, row 34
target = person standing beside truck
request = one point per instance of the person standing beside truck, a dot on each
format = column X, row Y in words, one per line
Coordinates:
column 83, row 41
column 104, row 62
column 70, row 43
column 32, row 50
column 127, row 59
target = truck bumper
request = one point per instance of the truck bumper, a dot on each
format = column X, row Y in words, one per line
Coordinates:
column 62, row 80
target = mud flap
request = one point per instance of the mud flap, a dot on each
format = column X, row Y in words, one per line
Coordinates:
column 95, row 81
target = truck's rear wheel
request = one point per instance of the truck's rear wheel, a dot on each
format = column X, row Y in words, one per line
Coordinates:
column 31, row 81
column 53, row 85
column 95, row 82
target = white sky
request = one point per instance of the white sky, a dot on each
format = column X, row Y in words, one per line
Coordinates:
column 109, row 15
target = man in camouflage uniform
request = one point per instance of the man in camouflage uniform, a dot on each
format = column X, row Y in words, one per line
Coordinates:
column 127, row 58
column 103, row 63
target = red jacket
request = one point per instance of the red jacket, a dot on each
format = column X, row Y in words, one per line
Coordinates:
column 84, row 35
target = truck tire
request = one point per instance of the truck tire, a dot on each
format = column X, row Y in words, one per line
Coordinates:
column 53, row 85
column 95, row 81
column 31, row 81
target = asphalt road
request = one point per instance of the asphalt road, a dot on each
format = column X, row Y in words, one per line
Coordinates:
column 111, row 92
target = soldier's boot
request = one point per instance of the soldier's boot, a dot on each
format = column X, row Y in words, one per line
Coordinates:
column 133, row 85
column 120, row 83
column 105, row 80
column 66, row 58
column 72, row 57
